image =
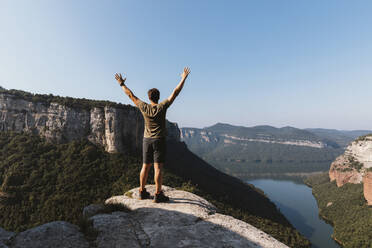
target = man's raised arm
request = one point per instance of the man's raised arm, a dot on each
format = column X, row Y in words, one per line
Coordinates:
column 127, row 91
column 177, row 90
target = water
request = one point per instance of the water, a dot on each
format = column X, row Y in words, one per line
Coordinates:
column 299, row 206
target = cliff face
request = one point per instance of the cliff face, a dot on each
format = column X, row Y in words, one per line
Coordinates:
column 367, row 186
column 354, row 165
column 206, row 136
column 117, row 129
column 343, row 172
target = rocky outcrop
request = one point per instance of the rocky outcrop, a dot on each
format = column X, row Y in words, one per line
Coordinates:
column 58, row 234
column 367, row 187
column 342, row 172
column 117, row 128
column 186, row 221
column 354, row 165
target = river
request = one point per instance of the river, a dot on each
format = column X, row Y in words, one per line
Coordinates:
column 299, row 206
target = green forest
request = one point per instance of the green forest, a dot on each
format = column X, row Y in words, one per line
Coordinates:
column 42, row 182
column 347, row 211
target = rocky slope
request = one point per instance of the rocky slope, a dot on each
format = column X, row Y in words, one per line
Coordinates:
column 186, row 221
column 118, row 128
column 355, row 166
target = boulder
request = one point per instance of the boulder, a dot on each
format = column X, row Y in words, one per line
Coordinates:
column 5, row 237
column 57, row 234
column 92, row 209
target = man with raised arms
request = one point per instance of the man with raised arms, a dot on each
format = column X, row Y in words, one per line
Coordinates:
column 154, row 137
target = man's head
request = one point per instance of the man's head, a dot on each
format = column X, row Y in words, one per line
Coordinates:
column 154, row 95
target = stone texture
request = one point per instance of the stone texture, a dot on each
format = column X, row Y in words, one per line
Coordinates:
column 342, row 172
column 117, row 129
column 92, row 209
column 115, row 230
column 186, row 202
column 54, row 234
column 5, row 237
column 367, row 186
column 361, row 150
column 186, row 221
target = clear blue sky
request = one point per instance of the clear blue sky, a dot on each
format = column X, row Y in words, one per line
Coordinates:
column 289, row 62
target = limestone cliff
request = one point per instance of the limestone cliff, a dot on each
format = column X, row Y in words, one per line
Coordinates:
column 367, row 187
column 354, row 166
column 186, row 221
column 118, row 128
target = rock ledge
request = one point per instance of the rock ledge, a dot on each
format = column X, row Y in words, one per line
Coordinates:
column 186, row 221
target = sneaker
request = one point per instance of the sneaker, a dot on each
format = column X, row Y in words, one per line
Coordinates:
column 144, row 194
column 161, row 197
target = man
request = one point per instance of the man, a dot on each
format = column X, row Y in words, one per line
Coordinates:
column 154, row 138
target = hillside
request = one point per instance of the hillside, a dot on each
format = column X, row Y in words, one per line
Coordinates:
column 44, row 178
column 245, row 151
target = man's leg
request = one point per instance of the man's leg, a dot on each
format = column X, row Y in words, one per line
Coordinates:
column 158, row 176
column 143, row 175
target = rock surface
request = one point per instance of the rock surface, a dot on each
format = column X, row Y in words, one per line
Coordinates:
column 5, row 237
column 361, row 150
column 367, row 186
column 342, row 172
column 117, row 129
column 54, row 234
column 186, row 221
column 92, row 209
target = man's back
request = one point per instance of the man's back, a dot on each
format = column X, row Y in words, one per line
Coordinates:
column 154, row 116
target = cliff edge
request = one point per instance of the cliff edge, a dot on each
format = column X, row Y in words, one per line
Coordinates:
column 116, row 127
column 186, row 221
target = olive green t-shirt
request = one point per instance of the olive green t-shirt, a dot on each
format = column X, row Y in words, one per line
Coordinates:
column 154, row 117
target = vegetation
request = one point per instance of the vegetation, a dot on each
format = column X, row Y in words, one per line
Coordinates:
column 80, row 103
column 348, row 213
column 43, row 182
column 363, row 138
column 353, row 163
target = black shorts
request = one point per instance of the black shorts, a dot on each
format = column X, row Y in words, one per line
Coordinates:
column 153, row 150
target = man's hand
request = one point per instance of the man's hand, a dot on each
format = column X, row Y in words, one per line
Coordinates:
column 119, row 78
column 127, row 91
column 185, row 73
column 177, row 90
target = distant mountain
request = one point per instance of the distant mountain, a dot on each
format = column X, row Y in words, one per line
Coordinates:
column 242, row 151
column 340, row 137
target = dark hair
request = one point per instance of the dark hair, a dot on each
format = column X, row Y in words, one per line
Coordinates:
column 154, row 95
